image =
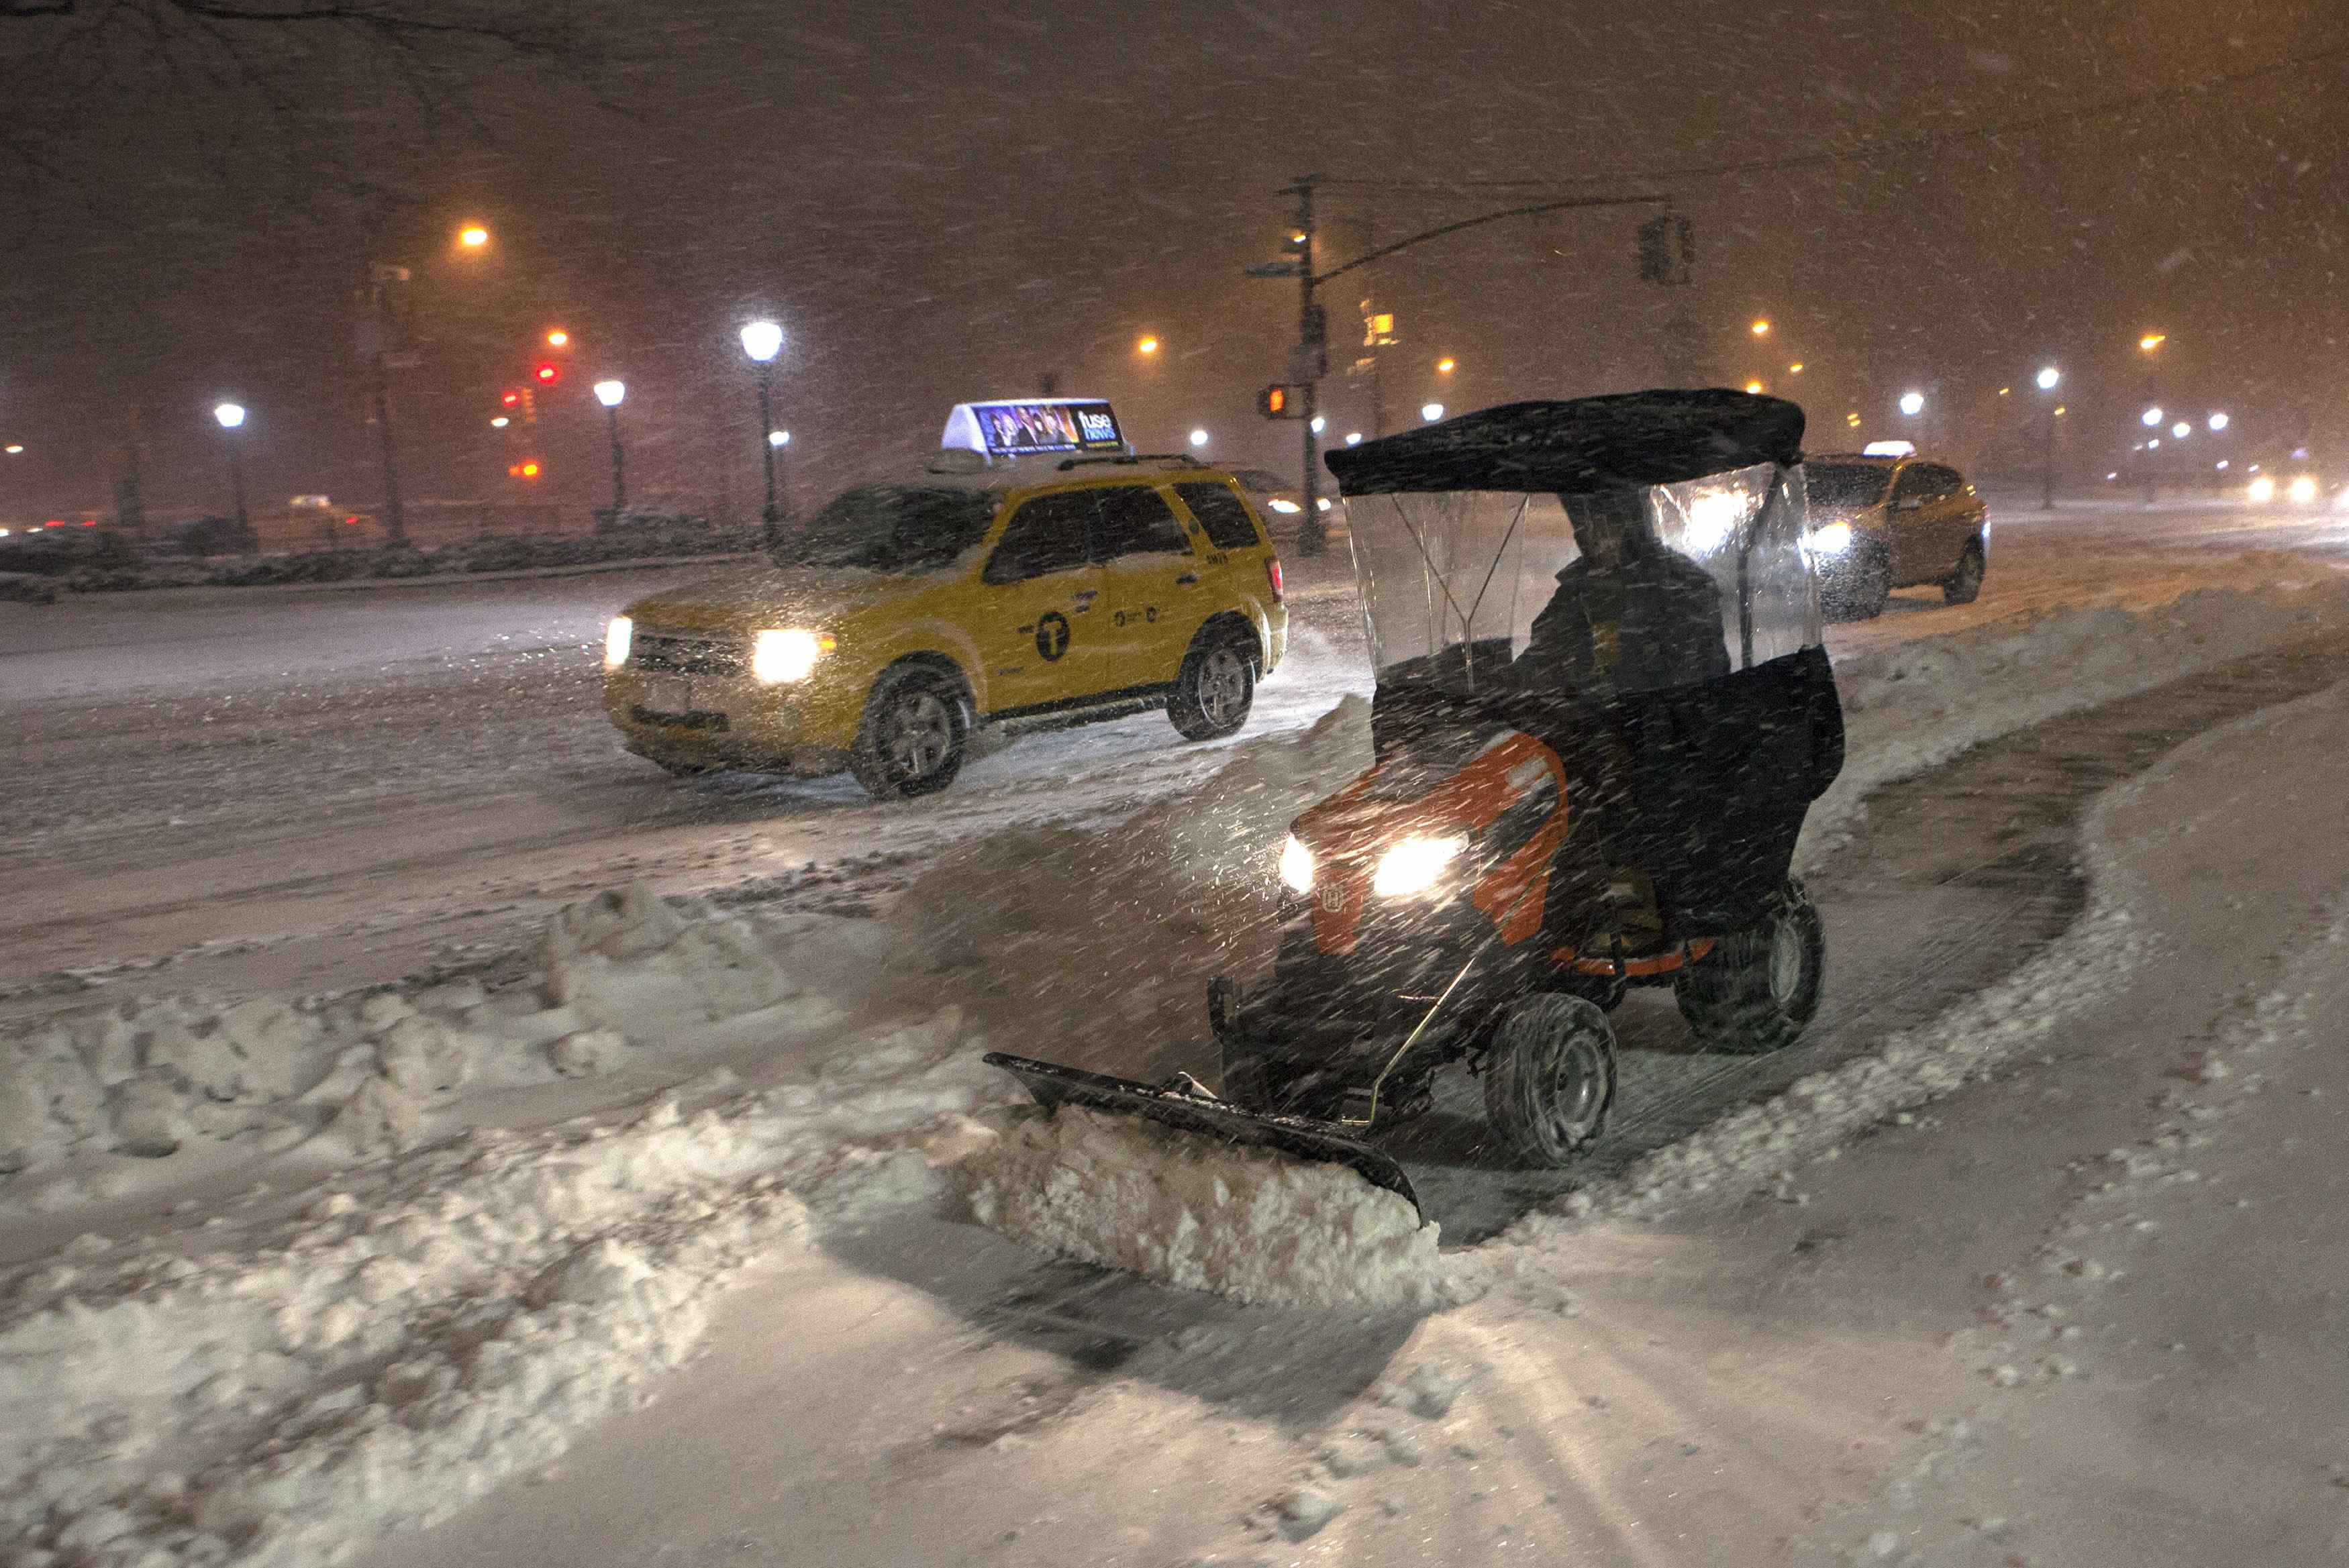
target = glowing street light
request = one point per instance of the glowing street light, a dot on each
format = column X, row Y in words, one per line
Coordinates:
column 609, row 392
column 472, row 236
column 2152, row 340
column 1147, row 346
column 2181, row 429
column 1754, row 388
column 500, row 423
column 2217, row 422
column 1912, row 404
column 1795, row 368
column 558, row 339
column 1353, row 438
column 762, row 340
column 1430, row 412
column 2047, row 380
column 13, row 448
column 779, row 439
column 1446, row 365
column 231, row 418
column 1761, row 327
column 1318, row 423
column 2151, row 418
column 1198, row 437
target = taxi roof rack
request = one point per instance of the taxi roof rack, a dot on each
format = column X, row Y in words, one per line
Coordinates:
column 1129, row 459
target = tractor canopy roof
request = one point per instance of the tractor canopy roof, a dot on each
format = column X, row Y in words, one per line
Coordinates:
column 1627, row 440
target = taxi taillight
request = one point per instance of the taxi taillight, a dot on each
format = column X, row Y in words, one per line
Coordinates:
column 1272, row 575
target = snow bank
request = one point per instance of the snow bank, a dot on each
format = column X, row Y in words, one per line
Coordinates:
column 1205, row 1215
column 1917, row 704
column 618, row 974
column 277, row 1387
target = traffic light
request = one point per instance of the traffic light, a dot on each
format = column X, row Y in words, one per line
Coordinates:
column 511, row 398
column 1279, row 403
column 548, row 373
column 525, row 469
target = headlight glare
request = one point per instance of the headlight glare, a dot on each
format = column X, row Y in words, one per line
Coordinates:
column 1296, row 865
column 1284, row 507
column 1832, row 540
column 781, row 656
column 616, row 638
column 1413, row 865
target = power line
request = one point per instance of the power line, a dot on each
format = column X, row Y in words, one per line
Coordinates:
column 1877, row 149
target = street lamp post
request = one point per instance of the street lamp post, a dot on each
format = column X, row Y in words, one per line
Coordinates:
column 231, row 418
column 2049, row 378
column 379, row 279
column 609, row 393
column 2146, row 344
column 779, row 448
column 762, row 340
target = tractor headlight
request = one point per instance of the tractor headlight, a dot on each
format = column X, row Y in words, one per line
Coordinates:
column 1296, row 865
column 616, row 638
column 778, row 658
column 1832, row 540
column 1414, row 864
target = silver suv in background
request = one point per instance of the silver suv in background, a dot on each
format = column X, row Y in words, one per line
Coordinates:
column 1880, row 523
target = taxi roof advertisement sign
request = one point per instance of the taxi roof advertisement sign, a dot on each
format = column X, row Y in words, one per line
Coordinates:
column 1037, row 425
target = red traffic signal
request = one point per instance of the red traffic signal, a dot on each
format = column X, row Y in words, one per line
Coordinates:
column 511, row 398
column 1278, row 403
column 548, row 373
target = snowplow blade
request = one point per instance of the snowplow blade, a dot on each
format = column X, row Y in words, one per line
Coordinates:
column 1300, row 1138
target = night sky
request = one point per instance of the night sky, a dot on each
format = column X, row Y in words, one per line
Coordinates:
column 941, row 203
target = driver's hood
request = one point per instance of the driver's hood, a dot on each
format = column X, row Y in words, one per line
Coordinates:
column 761, row 594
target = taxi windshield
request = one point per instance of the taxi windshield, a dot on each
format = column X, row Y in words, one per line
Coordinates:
column 890, row 529
column 1840, row 487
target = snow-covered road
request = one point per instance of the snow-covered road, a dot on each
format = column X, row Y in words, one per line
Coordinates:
column 315, row 788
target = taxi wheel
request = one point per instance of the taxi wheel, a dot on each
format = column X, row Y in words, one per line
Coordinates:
column 1964, row 584
column 911, row 740
column 1215, row 688
column 1862, row 595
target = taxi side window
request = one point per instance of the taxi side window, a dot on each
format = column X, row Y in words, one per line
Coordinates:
column 1046, row 534
column 1223, row 514
column 1135, row 520
column 1916, row 484
column 1943, row 483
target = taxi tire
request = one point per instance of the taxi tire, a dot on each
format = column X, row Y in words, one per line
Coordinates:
column 900, row 686
column 1187, row 705
column 1863, row 594
column 1965, row 585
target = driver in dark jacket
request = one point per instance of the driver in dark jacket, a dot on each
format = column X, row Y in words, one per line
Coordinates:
column 1630, row 614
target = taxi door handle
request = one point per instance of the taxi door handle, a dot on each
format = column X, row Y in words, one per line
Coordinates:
column 1188, row 577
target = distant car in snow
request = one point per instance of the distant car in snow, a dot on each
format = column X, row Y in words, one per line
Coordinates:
column 1283, row 503
column 1883, row 523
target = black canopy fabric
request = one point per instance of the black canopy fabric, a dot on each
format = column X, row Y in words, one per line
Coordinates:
column 1623, row 441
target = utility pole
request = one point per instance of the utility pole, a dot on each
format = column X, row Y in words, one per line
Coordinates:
column 377, row 334
column 1313, row 363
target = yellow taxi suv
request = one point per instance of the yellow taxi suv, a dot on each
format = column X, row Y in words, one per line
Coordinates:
column 899, row 618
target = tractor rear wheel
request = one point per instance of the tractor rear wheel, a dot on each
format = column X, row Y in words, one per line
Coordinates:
column 1756, row 990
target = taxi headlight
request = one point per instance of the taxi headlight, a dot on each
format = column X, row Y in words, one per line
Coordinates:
column 616, row 638
column 778, row 658
column 1296, row 865
column 2302, row 490
column 2262, row 489
column 1832, row 540
column 1413, row 865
